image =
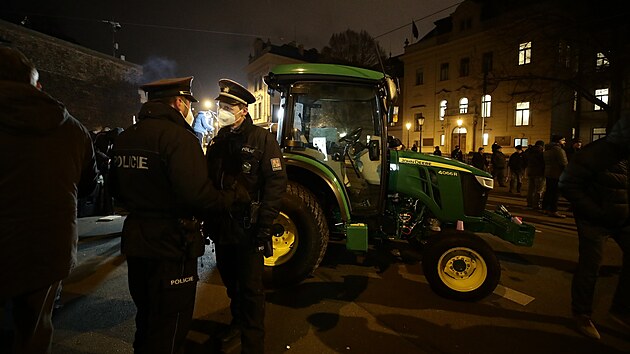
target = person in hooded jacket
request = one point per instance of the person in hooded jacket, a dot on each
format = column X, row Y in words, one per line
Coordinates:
column 201, row 126
column 38, row 194
column 596, row 182
column 244, row 152
column 159, row 175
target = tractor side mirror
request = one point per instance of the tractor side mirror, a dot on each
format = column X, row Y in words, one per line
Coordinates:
column 374, row 150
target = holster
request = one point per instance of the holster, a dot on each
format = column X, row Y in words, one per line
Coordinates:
column 193, row 241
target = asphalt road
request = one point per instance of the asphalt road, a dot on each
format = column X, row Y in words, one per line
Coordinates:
column 381, row 305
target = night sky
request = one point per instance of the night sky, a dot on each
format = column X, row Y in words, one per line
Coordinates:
column 213, row 39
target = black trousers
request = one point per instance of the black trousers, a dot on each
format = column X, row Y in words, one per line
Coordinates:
column 32, row 320
column 164, row 293
column 591, row 253
column 551, row 196
column 241, row 269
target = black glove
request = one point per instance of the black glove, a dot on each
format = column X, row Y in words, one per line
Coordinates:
column 264, row 238
column 236, row 195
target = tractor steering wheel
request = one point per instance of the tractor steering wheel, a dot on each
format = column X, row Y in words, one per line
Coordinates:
column 353, row 136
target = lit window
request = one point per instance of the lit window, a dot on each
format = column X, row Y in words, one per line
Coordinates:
column 598, row 133
column 601, row 94
column 522, row 113
column 442, row 139
column 463, row 105
column 486, row 106
column 485, row 139
column 525, row 53
column 602, row 61
column 442, row 109
column 575, row 101
column 521, row 141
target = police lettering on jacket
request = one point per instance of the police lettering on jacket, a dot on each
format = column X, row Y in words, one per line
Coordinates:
column 131, row 161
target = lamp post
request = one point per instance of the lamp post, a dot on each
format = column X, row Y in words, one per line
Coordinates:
column 420, row 122
column 408, row 125
column 115, row 27
column 459, row 132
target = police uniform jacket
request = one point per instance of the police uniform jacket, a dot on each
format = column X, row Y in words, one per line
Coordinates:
column 159, row 173
column 596, row 181
column 46, row 162
column 251, row 156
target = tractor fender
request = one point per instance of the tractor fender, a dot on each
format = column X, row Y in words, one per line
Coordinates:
column 298, row 165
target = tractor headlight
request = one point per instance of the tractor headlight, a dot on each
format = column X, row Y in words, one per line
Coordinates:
column 485, row 181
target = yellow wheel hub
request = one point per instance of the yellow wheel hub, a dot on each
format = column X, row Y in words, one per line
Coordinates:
column 285, row 245
column 462, row 269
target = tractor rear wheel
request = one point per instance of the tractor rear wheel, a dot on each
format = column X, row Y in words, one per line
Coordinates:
column 461, row 266
column 300, row 249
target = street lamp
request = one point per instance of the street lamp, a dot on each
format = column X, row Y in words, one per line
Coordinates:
column 420, row 121
column 408, row 125
column 207, row 104
column 459, row 132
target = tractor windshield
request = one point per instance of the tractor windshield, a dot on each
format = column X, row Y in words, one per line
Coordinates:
column 324, row 113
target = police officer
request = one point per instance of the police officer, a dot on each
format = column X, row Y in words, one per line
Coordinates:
column 251, row 156
column 160, row 176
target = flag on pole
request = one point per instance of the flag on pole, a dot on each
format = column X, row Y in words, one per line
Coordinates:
column 414, row 29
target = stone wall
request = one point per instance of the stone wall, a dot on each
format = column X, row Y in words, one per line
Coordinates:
column 97, row 89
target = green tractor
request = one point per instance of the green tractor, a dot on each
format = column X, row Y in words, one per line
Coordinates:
column 344, row 181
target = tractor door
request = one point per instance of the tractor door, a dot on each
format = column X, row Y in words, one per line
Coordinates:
column 340, row 125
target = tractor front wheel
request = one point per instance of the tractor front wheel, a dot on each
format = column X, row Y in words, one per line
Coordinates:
column 461, row 266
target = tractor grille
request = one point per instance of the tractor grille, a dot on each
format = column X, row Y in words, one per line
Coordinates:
column 474, row 194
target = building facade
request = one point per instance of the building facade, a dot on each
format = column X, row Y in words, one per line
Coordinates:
column 505, row 72
column 97, row 89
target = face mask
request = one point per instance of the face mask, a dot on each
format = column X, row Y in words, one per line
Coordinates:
column 187, row 110
column 189, row 118
column 225, row 118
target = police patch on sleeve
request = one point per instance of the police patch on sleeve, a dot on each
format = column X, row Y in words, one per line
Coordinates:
column 276, row 165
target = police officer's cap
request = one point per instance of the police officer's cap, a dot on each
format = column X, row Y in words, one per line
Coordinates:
column 233, row 93
column 179, row 86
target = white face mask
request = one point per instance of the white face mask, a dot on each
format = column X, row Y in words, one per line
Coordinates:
column 189, row 117
column 225, row 118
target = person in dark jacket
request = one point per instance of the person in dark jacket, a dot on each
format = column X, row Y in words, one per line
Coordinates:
column 250, row 155
column 47, row 160
column 457, row 154
column 596, row 183
column 535, row 175
column 498, row 165
column 576, row 145
column 479, row 160
column 160, row 176
column 517, row 164
column 437, row 151
column 555, row 162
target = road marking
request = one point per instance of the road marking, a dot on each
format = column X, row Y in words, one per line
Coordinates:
column 505, row 292
column 513, row 295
